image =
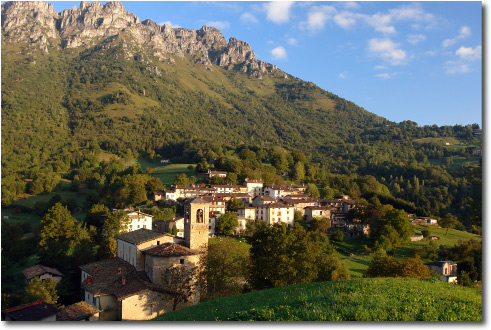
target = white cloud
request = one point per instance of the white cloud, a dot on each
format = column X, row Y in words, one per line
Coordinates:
column 415, row 38
column 344, row 75
column 248, row 18
column 350, row 4
column 278, row 11
column 292, row 41
column 464, row 32
column 387, row 50
column 455, row 67
column 317, row 17
column 412, row 12
column 221, row 25
column 469, row 53
column 345, row 19
column 279, row 53
column 380, row 67
column 169, row 23
column 383, row 75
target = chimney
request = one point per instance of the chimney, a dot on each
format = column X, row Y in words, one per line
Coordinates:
column 123, row 280
column 89, row 280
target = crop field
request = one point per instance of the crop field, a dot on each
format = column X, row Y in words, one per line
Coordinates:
column 379, row 299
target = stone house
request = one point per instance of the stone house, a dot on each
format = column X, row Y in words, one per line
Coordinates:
column 220, row 174
column 42, row 272
column 247, row 212
column 317, row 212
column 260, row 200
column 446, row 269
column 299, row 204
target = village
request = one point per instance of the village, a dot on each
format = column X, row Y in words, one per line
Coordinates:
column 156, row 259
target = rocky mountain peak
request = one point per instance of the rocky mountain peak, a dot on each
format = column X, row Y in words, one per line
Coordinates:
column 38, row 24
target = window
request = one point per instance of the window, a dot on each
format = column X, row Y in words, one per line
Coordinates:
column 181, row 261
column 94, row 300
column 158, row 242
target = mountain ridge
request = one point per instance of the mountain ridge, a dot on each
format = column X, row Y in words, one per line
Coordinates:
column 40, row 25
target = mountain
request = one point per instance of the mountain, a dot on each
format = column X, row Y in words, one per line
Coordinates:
column 97, row 78
column 60, row 69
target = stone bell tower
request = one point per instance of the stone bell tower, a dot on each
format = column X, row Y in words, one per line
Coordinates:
column 196, row 222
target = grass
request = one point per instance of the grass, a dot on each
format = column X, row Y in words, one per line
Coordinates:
column 167, row 173
column 17, row 284
column 388, row 299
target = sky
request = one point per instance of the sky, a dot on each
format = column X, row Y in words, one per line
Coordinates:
column 418, row 61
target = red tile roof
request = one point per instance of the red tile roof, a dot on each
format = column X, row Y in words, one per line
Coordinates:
column 77, row 312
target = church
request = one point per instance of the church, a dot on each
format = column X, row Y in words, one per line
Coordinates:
column 138, row 284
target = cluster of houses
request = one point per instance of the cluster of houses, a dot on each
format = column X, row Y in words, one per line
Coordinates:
column 136, row 285
column 269, row 203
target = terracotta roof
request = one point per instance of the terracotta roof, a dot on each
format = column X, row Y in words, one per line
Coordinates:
column 169, row 250
column 228, row 186
column 158, row 193
column 77, row 312
column 266, row 198
column 38, row 270
column 140, row 236
column 107, row 281
column 34, row 311
column 274, row 205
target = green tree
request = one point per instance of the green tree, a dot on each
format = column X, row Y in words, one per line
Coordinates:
column 174, row 230
column 320, row 224
column 312, row 190
column 227, row 267
column 231, row 178
column 180, row 282
column 97, row 215
column 234, row 204
column 226, row 223
column 299, row 172
column 41, row 290
column 338, row 236
column 181, row 180
column 281, row 256
column 59, row 233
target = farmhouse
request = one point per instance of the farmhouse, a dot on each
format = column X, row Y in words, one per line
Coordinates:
column 446, row 269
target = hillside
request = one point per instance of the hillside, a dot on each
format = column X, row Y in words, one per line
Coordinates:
column 390, row 299
column 96, row 79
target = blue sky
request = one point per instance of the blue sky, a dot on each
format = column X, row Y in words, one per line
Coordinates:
column 419, row 61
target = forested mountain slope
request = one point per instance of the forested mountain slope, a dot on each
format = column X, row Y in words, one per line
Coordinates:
column 96, row 77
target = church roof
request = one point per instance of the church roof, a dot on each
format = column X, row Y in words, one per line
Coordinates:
column 140, row 236
column 169, row 250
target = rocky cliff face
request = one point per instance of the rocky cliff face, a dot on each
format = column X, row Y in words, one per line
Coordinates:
column 39, row 25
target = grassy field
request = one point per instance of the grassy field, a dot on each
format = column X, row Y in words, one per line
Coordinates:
column 389, row 299
column 167, row 173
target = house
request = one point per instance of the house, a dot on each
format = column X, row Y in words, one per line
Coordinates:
column 242, row 227
column 446, row 269
column 80, row 311
column 416, row 238
column 158, row 195
column 299, row 204
column 275, row 213
column 138, row 219
column 260, row 200
column 246, row 212
column 317, row 212
column 130, row 286
column 35, row 311
column 338, row 219
column 164, row 161
column 42, row 272
column 217, row 204
column 278, row 191
column 220, row 174
column 177, row 222
column 229, row 188
column 254, row 187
